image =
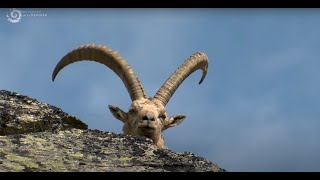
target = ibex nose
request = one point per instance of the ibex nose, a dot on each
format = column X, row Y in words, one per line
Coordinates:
column 148, row 117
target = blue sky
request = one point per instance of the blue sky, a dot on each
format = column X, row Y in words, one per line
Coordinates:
column 257, row 109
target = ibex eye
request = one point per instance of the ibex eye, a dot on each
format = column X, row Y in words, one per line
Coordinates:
column 162, row 116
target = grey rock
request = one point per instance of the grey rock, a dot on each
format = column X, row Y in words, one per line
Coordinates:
column 39, row 137
column 22, row 114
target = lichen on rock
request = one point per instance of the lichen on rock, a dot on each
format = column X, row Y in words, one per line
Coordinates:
column 37, row 137
column 22, row 114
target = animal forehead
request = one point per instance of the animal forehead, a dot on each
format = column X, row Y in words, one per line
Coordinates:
column 142, row 104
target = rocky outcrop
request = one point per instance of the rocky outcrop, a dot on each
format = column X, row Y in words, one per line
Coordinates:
column 36, row 136
column 21, row 114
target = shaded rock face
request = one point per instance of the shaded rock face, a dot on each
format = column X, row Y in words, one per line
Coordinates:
column 39, row 137
column 22, row 114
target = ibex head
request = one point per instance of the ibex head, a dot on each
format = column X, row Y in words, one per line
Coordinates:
column 146, row 116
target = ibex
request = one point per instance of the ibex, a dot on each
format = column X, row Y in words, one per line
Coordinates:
column 147, row 116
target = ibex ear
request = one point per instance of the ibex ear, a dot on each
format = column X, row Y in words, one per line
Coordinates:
column 173, row 121
column 118, row 113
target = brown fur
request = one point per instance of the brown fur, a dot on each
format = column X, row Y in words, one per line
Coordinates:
column 135, row 124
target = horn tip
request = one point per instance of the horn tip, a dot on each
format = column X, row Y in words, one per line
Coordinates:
column 53, row 76
column 203, row 76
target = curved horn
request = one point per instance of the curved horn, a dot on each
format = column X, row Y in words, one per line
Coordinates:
column 111, row 59
column 193, row 63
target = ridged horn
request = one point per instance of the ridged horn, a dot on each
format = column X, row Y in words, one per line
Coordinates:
column 197, row 61
column 111, row 59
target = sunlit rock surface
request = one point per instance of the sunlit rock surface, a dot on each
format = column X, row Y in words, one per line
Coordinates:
column 36, row 136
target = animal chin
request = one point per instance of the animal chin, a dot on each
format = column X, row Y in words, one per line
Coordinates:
column 146, row 127
column 147, row 130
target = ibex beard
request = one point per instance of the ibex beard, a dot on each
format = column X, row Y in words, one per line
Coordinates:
column 147, row 116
